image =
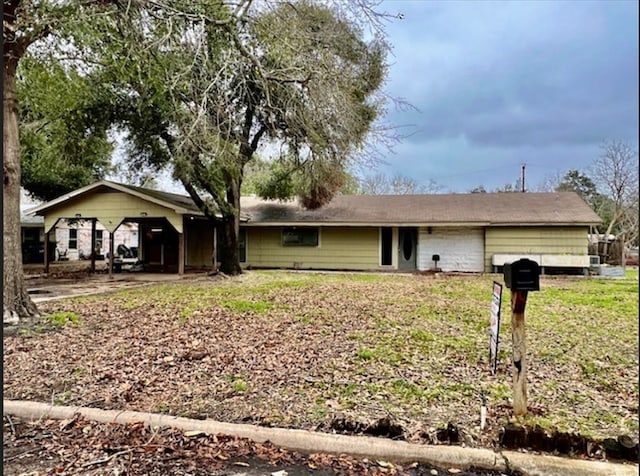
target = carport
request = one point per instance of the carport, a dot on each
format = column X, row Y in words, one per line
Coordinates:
column 162, row 219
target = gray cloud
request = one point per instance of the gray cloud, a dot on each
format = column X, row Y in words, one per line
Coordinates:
column 510, row 76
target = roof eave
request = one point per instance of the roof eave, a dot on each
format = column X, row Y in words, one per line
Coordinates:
column 364, row 224
column 546, row 223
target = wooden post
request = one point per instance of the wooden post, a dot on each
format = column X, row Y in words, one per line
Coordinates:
column 47, row 258
column 93, row 245
column 214, row 256
column 111, row 235
column 518, row 304
column 181, row 253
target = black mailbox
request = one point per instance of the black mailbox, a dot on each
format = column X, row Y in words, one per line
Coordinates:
column 522, row 275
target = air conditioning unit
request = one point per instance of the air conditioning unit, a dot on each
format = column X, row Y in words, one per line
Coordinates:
column 594, row 261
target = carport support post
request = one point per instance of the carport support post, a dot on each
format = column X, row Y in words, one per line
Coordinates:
column 518, row 304
column 111, row 255
column 46, row 253
column 181, row 253
column 93, row 245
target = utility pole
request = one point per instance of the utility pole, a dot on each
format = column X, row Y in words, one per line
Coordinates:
column 522, row 176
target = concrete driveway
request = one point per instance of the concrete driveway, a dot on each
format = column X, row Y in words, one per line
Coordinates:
column 74, row 279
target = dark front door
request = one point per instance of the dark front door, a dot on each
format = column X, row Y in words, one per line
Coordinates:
column 407, row 248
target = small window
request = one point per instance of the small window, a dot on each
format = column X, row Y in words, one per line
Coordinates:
column 386, row 239
column 99, row 239
column 407, row 246
column 300, row 237
column 73, row 239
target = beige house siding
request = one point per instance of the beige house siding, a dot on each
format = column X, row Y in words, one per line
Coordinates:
column 535, row 240
column 110, row 209
column 338, row 248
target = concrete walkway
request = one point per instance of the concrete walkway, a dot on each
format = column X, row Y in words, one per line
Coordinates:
column 361, row 446
column 47, row 289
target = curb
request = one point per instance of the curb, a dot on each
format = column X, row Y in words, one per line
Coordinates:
column 361, row 446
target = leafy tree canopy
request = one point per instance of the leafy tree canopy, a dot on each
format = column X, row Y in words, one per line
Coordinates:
column 575, row 181
column 64, row 134
column 205, row 93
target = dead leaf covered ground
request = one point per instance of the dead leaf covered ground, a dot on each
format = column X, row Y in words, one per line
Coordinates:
column 339, row 352
column 81, row 447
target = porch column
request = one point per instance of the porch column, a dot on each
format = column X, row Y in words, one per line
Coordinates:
column 214, row 258
column 111, row 255
column 46, row 253
column 181, row 253
column 93, row 245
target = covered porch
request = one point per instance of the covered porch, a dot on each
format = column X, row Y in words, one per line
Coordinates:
column 172, row 232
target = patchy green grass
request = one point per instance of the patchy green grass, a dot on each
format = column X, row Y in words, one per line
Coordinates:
column 243, row 306
column 59, row 319
column 301, row 349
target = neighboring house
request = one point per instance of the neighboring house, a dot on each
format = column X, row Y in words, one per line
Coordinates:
column 455, row 232
column 73, row 238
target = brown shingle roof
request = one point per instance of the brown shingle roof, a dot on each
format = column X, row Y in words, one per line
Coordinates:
column 562, row 208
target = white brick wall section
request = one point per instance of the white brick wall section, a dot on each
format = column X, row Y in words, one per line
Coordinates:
column 460, row 249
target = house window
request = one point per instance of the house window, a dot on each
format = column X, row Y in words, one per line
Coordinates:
column 99, row 238
column 73, row 239
column 300, row 236
column 386, row 239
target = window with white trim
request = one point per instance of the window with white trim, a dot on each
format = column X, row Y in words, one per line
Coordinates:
column 73, row 239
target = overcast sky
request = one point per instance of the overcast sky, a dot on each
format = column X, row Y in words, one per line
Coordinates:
column 500, row 84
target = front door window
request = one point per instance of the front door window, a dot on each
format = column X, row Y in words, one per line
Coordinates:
column 407, row 246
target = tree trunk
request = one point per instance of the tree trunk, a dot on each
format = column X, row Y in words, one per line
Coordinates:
column 228, row 243
column 230, row 229
column 16, row 303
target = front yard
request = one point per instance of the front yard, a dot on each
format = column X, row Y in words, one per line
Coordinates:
column 337, row 352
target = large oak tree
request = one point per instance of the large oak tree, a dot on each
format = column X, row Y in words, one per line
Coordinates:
column 296, row 79
column 200, row 86
column 70, row 31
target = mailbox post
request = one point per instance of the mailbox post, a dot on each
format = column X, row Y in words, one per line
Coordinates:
column 520, row 277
